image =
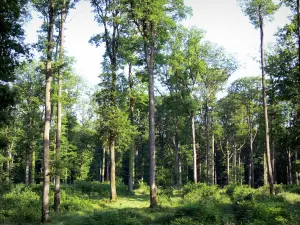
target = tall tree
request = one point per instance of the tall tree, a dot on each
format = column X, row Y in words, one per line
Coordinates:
column 246, row 92
column 48, row 81
column 260, row 11
column 108, row 13
column 153, row 20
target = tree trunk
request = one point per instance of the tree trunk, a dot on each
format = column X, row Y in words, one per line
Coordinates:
column 32, row 167
column 265, row 171
column 179, row 171
column 297, row 174
column 136, row 161
column 9, row 162
column 194, row 150
column 46, row 186
column 113, row 190
column 27, row 165
column 234, row 163
column 59, row 108
column 150, row 66
column 103, row 166
column 265, row 106
column 251, row 160
column 228, row 162
column 289, row 175
column 208, row 153
column 131, row 152
column 213, row 158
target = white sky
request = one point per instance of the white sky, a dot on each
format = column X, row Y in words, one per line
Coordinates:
column 222, row 20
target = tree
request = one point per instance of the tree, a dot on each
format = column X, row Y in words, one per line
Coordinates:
column 48, row 81
column 260, row 11
column 246, row 92
column 153, row 20
column 12, row 49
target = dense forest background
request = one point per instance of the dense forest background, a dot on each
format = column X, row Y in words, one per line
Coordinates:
column 56, row 132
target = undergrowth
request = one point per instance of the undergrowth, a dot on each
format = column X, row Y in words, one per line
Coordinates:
column 88, row 203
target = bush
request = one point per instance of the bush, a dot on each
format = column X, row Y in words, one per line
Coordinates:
column 20, row 204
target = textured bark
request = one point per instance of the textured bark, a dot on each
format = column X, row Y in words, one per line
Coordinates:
column 32, row 167
column 213, row 159
column 149, row 52
column 228, row 162
column 178, row 177
column 251, row 140
column 194, row 151
column 9, row 162
column 103, row 166
column 27, row 165
column 297, row 174
column 59, row 108
column 234, row 163
column 208, row 153
column 265, row 106
column 265, row 171
column 46, row 185
column 289, row 170
column 113, row 190
column 131, row 152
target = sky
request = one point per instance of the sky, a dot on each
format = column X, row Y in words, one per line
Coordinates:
column 222, row 20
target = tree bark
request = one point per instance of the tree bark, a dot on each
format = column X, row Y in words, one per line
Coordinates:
column 251, row 139
column 32, row 167
column 46, row 186
column 131, row 152
column 208, row 153
column 149, row 52
column 194, row 151
column 213, row 159
column 289, row 175
column 265, row 106
column 27, row 165
column 297, row 174
column 103, row 166
column 59, row 109
column 228, row 162
column 113, row 190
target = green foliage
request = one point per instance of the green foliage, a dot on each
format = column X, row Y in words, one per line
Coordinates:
column 251, row 9
column 21, row 203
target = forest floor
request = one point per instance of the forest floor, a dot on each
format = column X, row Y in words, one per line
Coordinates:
column 87, row 203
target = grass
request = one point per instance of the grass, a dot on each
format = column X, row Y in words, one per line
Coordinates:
column 88, row 203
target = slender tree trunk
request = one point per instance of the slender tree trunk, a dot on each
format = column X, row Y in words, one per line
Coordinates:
column 194, row 150
column 234, row 163
column 46, row 186
column 32, row 167
column 179, row 170
column 251, row 160
column 213, row 158
column 9, row 162
column 27, row 165
column 289, row 175
column 113, row 191
column 228, row 162
column 59, row 108
column 208, row 153
column 136, row 161
column 131, row 152
column 265, row 171
column 107, row 166
column 265, row 106
column 240, row 169
column 103, row 166
column 297, row 174
column 149, row 52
